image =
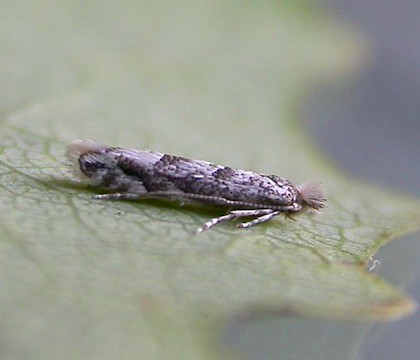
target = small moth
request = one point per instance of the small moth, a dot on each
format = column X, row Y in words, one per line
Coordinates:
column 137, row 174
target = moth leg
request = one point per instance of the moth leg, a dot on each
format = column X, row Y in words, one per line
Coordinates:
column 254, row 212
column 171, row 195
column 258, row 220
column 178, row 195
column 213, row 200
column 234, row 214
column 140, row 195
column 119, row 196
column 215, row 221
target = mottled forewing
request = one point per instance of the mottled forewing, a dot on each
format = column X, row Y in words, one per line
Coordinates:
column 204, row 178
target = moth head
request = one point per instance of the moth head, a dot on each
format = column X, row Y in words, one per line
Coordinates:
column 310, row 195
column 85, row 156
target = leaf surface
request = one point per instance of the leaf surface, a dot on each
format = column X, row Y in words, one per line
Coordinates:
column 217, row 81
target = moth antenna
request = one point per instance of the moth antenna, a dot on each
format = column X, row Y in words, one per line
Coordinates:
column 312, row 195
column 80, row 147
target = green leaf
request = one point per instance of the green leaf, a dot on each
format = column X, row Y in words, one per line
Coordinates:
column 209, row 80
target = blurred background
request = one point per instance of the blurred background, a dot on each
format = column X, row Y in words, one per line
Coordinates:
column 371, row 129
column 371, row 126
column 379, row 110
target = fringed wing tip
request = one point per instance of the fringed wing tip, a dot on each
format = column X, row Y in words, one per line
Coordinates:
column 312, row 195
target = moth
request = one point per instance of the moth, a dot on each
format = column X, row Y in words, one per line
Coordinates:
column 128, row 174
